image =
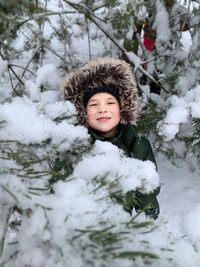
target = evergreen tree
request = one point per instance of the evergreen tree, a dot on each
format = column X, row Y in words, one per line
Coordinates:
column 148, row 35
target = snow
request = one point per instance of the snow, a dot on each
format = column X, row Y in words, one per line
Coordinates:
column 180, row 205
column 68, row 227
column 3, row 66
column 47, row 74
column 27, row 124
column 32, row 90
column 181, row 108
column 145, row 176
column 82, row 202
column 161, row 25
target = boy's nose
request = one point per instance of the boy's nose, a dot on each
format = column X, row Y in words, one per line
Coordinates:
column 102, row 109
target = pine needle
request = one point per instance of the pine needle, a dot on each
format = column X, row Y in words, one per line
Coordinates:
column 10, row 193
column 133, row 254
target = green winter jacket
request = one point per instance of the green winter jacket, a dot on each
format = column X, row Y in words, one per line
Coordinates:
column 137, row 147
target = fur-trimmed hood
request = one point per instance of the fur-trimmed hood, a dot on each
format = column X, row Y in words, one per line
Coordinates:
column 96, row 73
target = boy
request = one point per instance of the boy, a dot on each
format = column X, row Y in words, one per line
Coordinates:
column 104, row 93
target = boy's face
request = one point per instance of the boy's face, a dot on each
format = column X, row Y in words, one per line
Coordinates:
column 103, row 114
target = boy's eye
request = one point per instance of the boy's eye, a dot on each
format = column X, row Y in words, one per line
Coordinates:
column 93, row 105
column 110, row 103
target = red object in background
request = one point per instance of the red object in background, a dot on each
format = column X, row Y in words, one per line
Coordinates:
column 150, row 35
column 149, row 38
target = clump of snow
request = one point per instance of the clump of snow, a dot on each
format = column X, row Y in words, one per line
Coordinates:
column 187, row 80
column 134, row 58
column 48, row 97
column 25, row 123
column 107, row 158
column 181, row 109
column 60, row 109
column 191, row 222
column 47, row 74
column 161, row 24
column 33, row 90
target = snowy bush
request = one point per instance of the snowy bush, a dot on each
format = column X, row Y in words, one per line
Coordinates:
column 52, row 216
column 80, row 215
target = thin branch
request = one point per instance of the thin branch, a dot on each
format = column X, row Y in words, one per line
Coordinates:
column 36, row 16
column 15, row 74
column 11, row 82
column 30, row 62
column 98, row 7
column 153, row 58
column 91, row 10
column 82, row 10
column 2, row 56
column 88, row 35
column 50, row 49
column 25, row 69
column 86, row 9
column 10, row 257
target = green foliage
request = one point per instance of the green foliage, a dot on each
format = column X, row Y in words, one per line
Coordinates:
column 149, row 117
column 104, row 241
column 12, row 13
column 130, row 45
column 112, row 3
column 121, row 21
column 20, row 6
column 61, row 170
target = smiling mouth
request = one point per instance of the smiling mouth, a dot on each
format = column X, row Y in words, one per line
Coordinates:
column 103, row 119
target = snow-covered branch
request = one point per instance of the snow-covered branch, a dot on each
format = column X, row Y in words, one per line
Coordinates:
column 131, row 58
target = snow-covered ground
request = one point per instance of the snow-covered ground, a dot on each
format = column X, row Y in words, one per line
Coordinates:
column 180, row 209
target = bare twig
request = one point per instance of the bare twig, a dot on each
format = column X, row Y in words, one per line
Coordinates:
column 24, row 68
column 54, row 52
column 84, row 8
column 153, row 58
column 36, row 16
column 98, row 7
column 11, row 82
column 88, row 35
column 18, row 78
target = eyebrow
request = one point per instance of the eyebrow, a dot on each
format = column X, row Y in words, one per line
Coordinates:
column 94, row 100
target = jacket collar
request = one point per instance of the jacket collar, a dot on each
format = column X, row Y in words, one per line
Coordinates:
column 125, row 136
column 116, row 138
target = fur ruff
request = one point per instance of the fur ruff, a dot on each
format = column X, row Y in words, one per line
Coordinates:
column 98, row 72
